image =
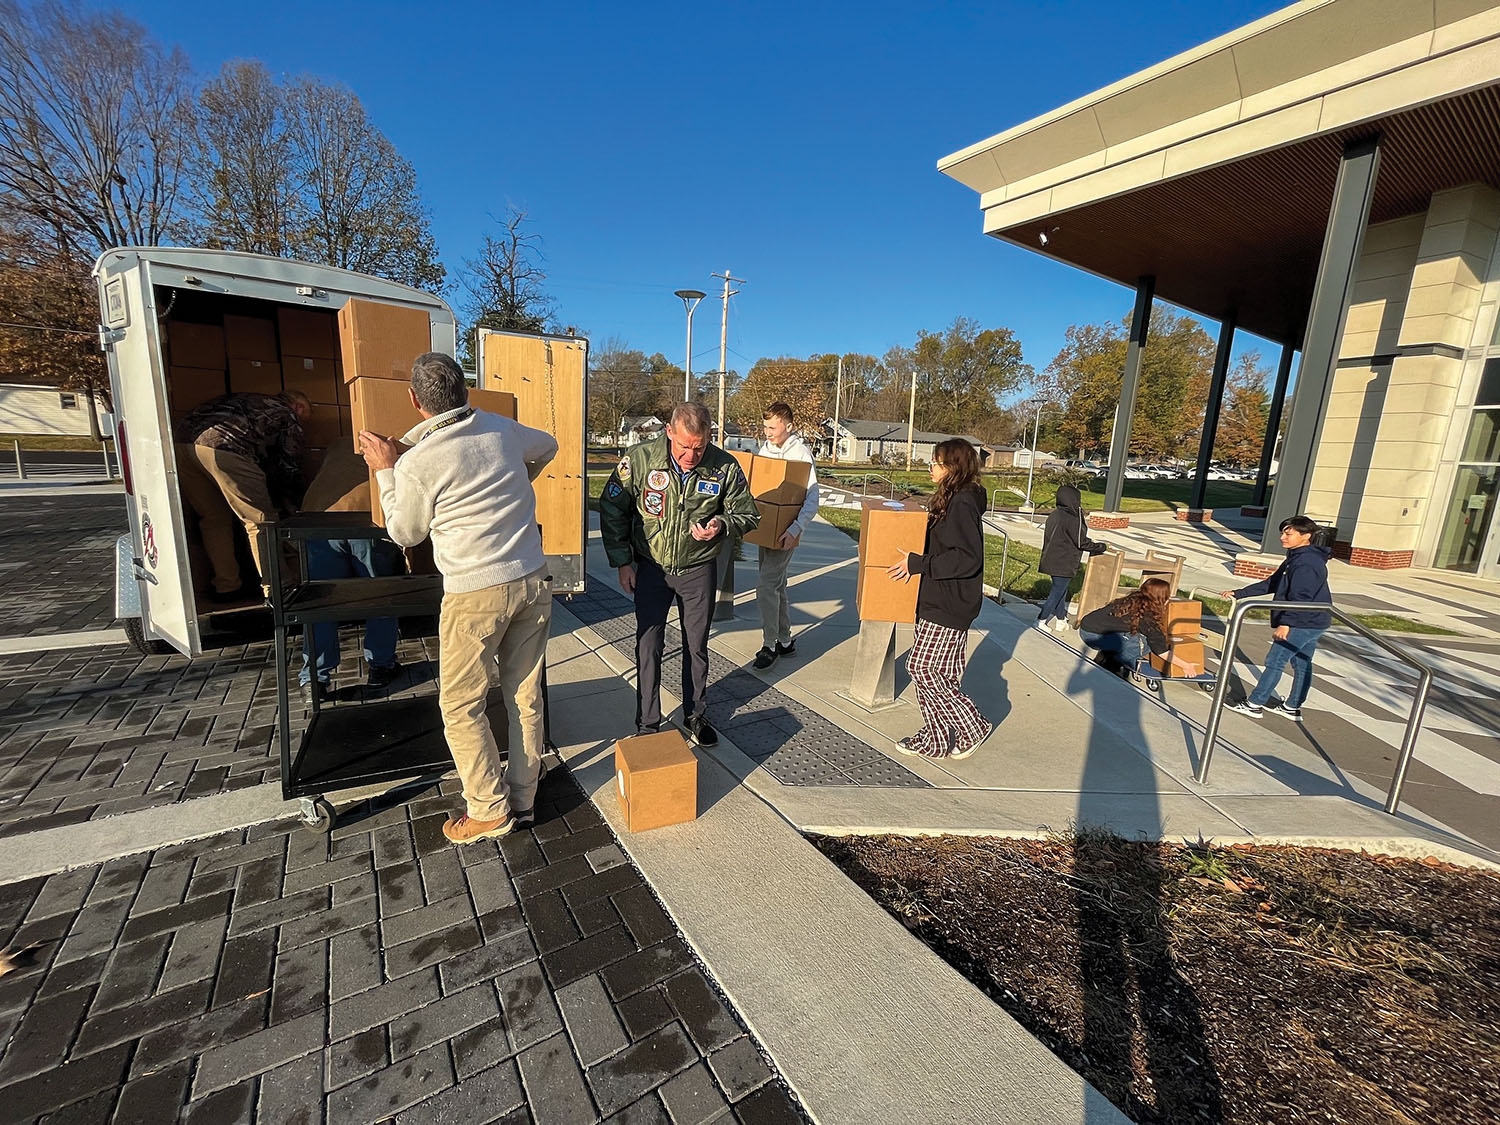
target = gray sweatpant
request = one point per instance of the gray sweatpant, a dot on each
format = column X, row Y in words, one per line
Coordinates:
column 770, row 595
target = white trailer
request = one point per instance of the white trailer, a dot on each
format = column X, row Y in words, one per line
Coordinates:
column 140, row 289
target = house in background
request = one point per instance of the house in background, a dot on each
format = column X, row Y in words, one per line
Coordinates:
column 636, row 428
column 866, row 440
column 29, row 409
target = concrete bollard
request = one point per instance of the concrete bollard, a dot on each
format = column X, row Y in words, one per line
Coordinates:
column 104, row 449
column 20, row 466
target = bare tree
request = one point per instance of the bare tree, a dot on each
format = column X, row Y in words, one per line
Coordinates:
column 95, row 128
column 360, row 195
column 505, row 281
column 245, row 174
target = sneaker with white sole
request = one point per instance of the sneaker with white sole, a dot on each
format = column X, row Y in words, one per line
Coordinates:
column 1293, row 713
column 1248, row 709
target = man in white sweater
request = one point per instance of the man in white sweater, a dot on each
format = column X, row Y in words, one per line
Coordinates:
column 464, row 477
column 770, row 588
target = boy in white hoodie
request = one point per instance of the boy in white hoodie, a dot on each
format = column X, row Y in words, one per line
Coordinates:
column 770, row 590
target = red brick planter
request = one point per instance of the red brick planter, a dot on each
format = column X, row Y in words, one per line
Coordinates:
column 1193, row 515
column 1255, row 511
column 1108, row 521
column 1379, row 560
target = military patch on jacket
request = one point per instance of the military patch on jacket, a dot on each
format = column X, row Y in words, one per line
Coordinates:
column 708, row 487
column 657, row 479
column 614, row 489
column 623, row 468
column 654, row 502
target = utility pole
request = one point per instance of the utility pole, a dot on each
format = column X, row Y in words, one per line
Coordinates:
column 724, row 344
column 911, row 419
column 838, row 394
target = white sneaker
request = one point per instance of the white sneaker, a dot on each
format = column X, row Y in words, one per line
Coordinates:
column 1060, row 625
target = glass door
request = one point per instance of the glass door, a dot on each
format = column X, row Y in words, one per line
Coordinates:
column 1471, row 535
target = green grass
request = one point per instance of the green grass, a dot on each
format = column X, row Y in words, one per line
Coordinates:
column 1023, row 580
column 52, row 443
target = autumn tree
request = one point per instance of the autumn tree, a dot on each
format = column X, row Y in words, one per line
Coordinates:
column 1247, row 409
column 962, row 374
column 806, row 385
column 246, row 179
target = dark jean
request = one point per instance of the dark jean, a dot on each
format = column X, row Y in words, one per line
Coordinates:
column 1127, row 648
column 1056, row 604
column 351, row 558
column 1297, row 649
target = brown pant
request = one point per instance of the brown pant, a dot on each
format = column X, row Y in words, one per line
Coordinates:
column 221, row 487
column 507, row 623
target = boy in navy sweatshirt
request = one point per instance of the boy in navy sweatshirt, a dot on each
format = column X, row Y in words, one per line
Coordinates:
column 1303, row 577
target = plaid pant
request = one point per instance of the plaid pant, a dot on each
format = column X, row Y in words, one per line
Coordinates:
column 950, row 720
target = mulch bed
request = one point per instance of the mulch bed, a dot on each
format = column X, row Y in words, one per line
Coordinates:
column 1208, row 984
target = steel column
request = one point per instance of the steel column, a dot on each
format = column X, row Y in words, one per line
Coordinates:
column 1347, row 219
column 1211, row 412
column 1130, row 381
column 1273, row 426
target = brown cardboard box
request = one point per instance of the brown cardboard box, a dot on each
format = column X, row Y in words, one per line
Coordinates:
column 879, row 597
column 191, row 387
column 309, row 332
column 254, row 375
column 774, row 520
column 494, row 402
column 312, row 376
column 250, row 337
column 195, row 345
column 890, row 530
column 1186, row 650
column 657, row 779
column 1184, row 618
column 780, row 482
column 746, row 460
column 380, row 341
column 322, row 427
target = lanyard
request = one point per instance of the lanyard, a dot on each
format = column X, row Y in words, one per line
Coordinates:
column 465, row 416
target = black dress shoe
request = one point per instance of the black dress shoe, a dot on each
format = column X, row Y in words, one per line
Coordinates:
column 642, row 731
column 701, row 732
column 383, row 677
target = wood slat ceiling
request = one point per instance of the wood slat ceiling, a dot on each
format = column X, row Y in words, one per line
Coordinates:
column 1247, row 235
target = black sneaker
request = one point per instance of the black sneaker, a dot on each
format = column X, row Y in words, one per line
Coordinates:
column 788, row 649
column 765, row 658
column 1293, row 713
column 383, row 677
column 701, row 732
column 1245, row 707
column 524, row 818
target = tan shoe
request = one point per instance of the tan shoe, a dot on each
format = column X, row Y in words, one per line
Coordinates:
column 465, row 829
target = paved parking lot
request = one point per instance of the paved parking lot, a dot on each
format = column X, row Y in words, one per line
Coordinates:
column 57, row 567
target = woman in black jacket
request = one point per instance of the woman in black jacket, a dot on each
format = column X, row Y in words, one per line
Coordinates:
column 952, row 569
column 1064, row 539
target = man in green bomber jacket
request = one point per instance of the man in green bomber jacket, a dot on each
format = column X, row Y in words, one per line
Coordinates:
column 663, row 516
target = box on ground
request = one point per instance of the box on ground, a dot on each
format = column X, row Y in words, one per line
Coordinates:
column 379, row 341
column 254, row 375
column 315, row 377
column 1191, row 651
column 657, row 779
column 195, row 345
column 774, row 520
column 250, row 337
column 308, row 332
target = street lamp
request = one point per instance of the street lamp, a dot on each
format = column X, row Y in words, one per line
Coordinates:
column 690, row 299
column 1031, row 461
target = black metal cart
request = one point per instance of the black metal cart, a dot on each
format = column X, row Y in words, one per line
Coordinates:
column 344, row 747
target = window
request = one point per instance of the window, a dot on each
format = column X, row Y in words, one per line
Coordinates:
column 69, row 402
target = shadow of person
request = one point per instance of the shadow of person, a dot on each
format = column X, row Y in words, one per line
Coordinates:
column 1142, row 1030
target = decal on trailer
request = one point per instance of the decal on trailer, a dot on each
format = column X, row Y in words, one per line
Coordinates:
column 148, row 540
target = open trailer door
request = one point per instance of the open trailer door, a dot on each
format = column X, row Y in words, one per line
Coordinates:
column 143, row 431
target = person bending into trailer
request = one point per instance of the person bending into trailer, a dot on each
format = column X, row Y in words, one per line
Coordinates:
column 464, row 477
column 239, row 457
column 343, row 485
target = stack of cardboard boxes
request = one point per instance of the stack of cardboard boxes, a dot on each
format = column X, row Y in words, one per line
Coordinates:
column 195, row 365
column 1184, row 629
column 310, row 364
column 889, row 530
column 780, row 489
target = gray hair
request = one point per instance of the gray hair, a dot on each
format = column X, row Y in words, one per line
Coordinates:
column 690, row 416
column 438, row 382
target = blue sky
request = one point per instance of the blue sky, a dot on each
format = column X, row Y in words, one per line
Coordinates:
column 794, row 144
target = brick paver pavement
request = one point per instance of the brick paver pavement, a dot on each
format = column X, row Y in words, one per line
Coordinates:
column 378, row 974
column 57, row 574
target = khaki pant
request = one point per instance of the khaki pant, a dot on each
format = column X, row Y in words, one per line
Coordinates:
column 770, row 596
column 508, row 622
column 221, row 487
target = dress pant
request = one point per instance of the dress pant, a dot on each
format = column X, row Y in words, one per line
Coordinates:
column 655, row 592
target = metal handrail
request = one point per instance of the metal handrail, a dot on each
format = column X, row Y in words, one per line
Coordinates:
column 1231, row 639
column 891, row 484
column 1004, row 553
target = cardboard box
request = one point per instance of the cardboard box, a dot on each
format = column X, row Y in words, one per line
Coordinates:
column 746, row 460
column 494, row 402
column 322, row 427
column 657, row 779
column 191, row 387
column 254, row 375
column 889, row 530
column 774, row 520
column 378, row 341
column 195, row 345
column 879, row 597
column 1184, row 618
column 780, row 482
column 308, row 332
column 311, row 375
column 1186, row 650
column 251, row 337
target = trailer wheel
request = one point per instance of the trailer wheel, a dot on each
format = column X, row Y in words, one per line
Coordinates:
column 318, row 814
column 135, row 633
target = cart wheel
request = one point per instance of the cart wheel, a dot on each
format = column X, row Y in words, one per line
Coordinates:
column 1152, row 685
column 318, row 815
column 1208, row 688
